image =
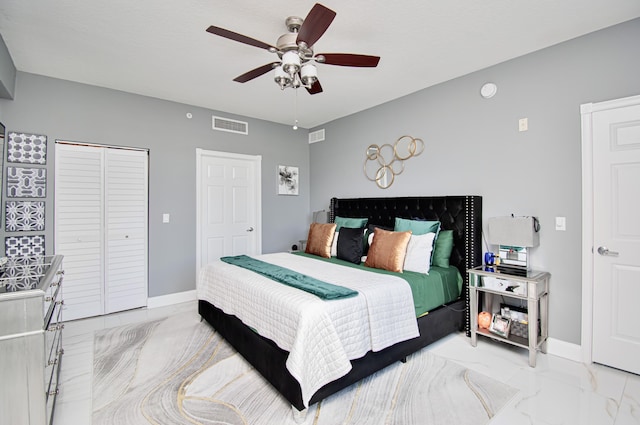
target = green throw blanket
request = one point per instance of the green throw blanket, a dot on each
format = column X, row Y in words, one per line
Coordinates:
column 323, row 290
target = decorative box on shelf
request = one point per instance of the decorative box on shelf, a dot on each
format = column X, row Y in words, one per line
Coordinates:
column 519, row 320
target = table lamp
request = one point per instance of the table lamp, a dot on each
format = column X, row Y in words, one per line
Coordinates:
column 514, row 236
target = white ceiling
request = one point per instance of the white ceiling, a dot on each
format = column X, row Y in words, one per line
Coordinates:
column 160, row 48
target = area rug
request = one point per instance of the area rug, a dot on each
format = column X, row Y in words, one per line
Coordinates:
column 178, row 370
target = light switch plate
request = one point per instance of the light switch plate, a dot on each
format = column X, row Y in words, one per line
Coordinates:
column 523, row 124
column 561, row 223
column 165, row 218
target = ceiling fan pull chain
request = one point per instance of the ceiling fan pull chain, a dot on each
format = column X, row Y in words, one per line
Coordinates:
column 295, row 110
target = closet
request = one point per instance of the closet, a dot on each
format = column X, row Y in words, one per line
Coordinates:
column 101, row 227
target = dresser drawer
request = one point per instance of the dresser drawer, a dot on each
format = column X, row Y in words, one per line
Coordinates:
column 51, row 387
column 52, row 295
column 53, row 338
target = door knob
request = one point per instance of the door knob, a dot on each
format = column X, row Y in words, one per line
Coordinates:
column 603, row 250
column 250, row 229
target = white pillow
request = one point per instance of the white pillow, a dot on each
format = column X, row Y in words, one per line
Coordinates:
column 418, row 257
column 370, row 239
column 334, row 245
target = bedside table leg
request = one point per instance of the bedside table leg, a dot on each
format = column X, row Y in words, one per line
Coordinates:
column 544, row 322
column 532, row 311
column 473, row 315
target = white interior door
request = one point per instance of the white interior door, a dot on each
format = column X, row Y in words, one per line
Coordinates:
column 101, row 217
column 79, row 216
column 229, row 203
column 616, row 236
column 126, row 195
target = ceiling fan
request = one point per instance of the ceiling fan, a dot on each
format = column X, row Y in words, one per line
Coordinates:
column 296, row 65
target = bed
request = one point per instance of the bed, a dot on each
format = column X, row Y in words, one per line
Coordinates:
column 460, row 214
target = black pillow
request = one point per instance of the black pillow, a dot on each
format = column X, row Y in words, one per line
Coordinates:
column 350, row 244
column 370, row 230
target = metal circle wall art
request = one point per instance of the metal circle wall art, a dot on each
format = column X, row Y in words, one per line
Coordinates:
column 383, row 163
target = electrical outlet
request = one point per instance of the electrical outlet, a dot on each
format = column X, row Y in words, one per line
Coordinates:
column 523, row 124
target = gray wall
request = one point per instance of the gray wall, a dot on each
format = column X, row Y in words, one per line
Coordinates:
column 7, row 72
column 70, row 111
column 473, row 146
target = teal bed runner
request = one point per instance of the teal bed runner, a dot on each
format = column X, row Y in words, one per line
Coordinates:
column 441, row 286
column 323, row 290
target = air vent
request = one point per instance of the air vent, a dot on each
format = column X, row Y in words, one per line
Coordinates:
column 232, row 126
column 316, row 136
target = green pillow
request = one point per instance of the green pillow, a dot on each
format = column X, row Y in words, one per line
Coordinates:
column 417, row 227
column 442, row 249
column 351, row 223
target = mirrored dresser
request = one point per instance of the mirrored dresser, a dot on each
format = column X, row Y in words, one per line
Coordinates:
column 30, row 338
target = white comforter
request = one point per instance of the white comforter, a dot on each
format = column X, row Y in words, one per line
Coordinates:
column 321, row 336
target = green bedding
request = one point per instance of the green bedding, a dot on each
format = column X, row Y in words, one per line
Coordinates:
column 440, row 286
column 324, row 290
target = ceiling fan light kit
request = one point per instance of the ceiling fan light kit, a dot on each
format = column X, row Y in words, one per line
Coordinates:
column 308, row 74
column 291, row 63
column 296, row 65
column 282, row 78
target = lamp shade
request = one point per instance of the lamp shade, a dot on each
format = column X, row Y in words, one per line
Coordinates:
column 291, row 62
column 281, row 77
column 321, row 216
column 514, row 231
column 308, row 74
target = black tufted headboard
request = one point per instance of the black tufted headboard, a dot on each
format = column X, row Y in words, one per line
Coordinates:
column 462, row 214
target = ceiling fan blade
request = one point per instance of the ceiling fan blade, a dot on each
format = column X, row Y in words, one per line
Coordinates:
column 254, row 73
column 315, row 24
column 315, row 88
column 238, row 37
column 348, row 59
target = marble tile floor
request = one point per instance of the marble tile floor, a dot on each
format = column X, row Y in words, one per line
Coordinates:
column 556, row 391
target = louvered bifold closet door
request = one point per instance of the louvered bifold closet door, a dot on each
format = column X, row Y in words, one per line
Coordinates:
column 126, row 213
column 79, row 230
column 101, row 227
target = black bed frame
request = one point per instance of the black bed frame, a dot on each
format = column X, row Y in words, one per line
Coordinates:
column 462, row 214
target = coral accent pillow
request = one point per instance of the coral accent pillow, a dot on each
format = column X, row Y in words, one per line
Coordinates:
column 320, row 239
column 388, row 250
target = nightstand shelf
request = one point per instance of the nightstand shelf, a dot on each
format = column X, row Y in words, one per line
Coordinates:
column 512, row 339
column 533, row 289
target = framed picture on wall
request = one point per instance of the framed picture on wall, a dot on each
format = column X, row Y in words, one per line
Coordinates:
column 287, row 180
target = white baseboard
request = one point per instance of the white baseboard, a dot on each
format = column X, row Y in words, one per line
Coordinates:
column 564, row 349
column 177, row 298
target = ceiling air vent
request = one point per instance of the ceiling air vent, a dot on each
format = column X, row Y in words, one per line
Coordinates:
column 316, row 136
column 232, row 126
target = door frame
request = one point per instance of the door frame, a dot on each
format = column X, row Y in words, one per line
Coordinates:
column 587, row 216
column 257, row 160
